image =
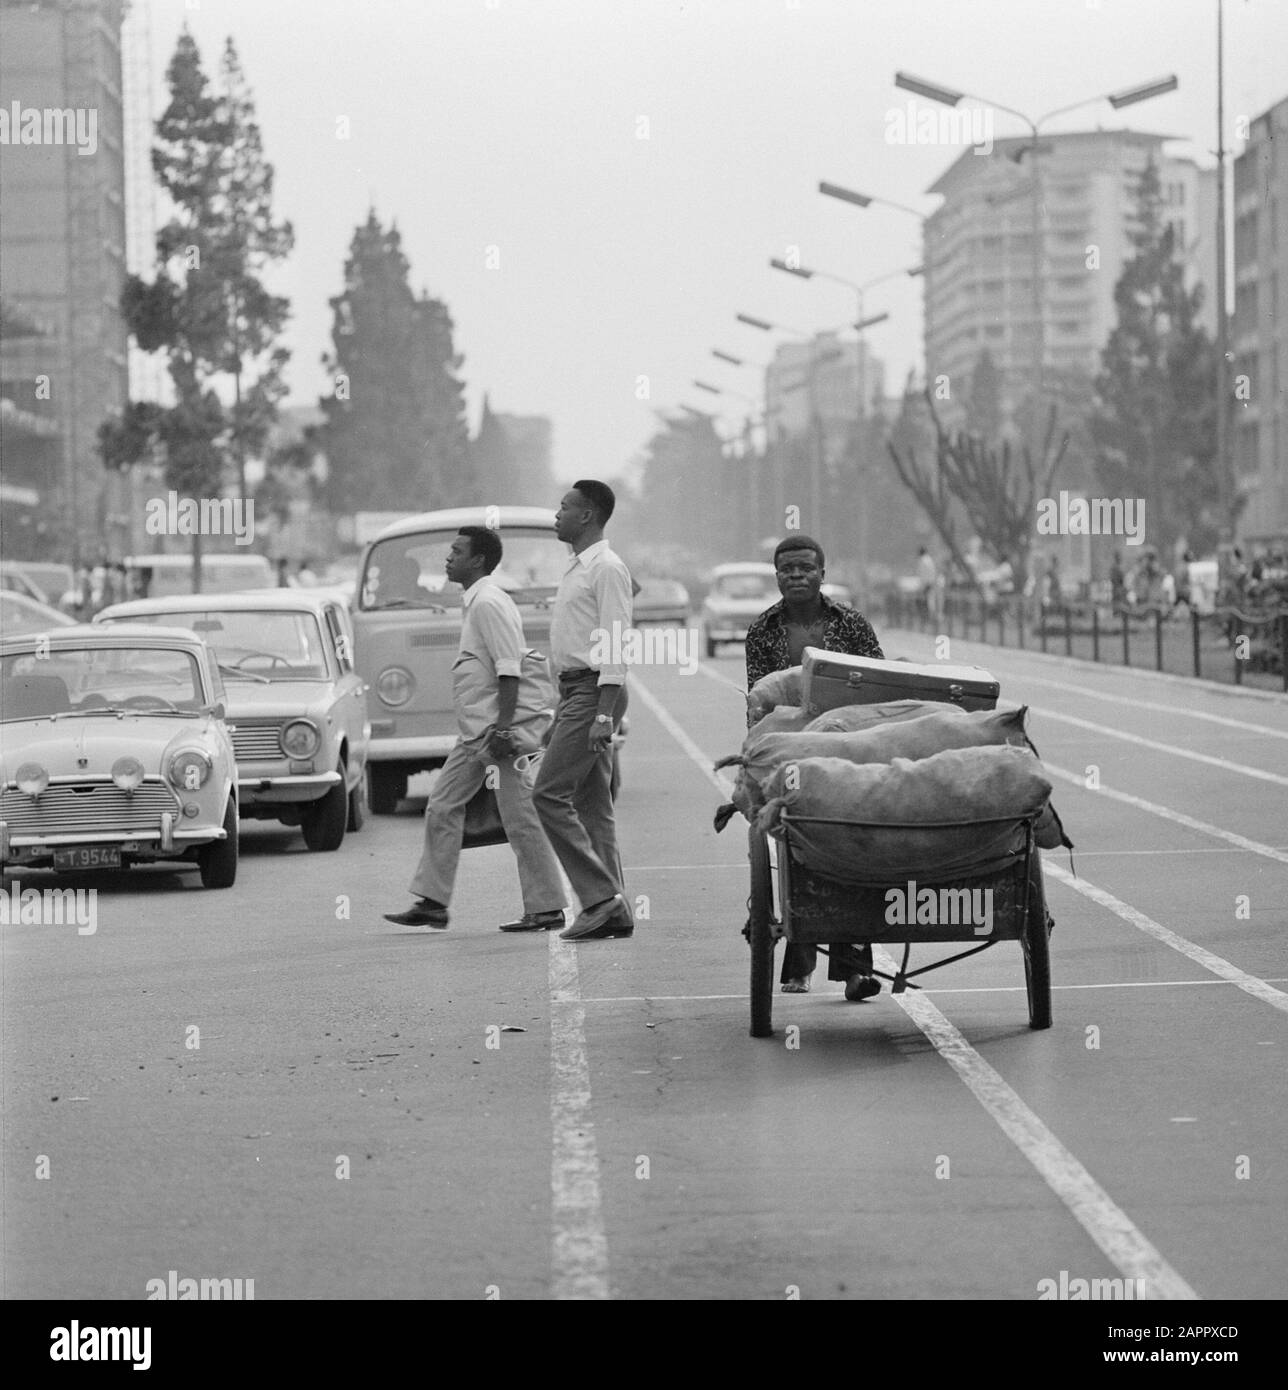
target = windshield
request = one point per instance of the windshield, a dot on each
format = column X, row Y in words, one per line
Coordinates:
column 746, row 586
column 254, row 646
column 408, row 571
column 91, row 680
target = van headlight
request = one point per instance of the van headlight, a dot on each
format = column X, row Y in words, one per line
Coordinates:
column 189, row 769
column 32, row 779
column 300, row 739
column 395, row 685
column 127, row 773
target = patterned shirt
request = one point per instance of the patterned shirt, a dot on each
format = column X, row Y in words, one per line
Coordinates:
column 845, row 630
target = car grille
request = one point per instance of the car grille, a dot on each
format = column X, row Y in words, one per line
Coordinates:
column 257, row 742
column 88, row 806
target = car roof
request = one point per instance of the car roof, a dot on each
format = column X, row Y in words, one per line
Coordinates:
column 171, row 561
column 454, row 518
column 251, row 601
column 743, row 567
column 110, row 634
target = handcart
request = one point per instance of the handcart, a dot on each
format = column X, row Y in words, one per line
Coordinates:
column 812, row 908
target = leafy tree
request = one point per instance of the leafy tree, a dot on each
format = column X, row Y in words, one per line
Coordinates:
column 1154, row 420
column 207, row 308
column 395, row 432
column 684, row 468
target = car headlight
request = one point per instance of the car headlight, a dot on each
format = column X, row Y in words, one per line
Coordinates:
column 300, row 739
column 189, row 769
column 127, row 773
column 394, row 685
column 32, row 779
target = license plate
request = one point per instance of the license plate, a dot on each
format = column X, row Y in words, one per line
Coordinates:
column 88, row 857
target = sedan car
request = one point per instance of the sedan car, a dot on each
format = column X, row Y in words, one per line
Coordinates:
column 661, row 601
column 20, row 615
column 115, row 752
column 739, row 594
column 296, row 705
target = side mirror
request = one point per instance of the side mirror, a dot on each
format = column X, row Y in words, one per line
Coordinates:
column 216, row 711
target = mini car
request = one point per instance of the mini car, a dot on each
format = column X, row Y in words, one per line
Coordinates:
column 114, row 751
column 297, row 708
column 661, row 601
column 739, row 594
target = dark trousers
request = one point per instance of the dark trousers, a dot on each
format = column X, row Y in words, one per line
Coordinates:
column 843, row 960
column 573, row 797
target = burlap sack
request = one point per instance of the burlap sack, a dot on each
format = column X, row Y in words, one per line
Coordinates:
column 847, row 718
column 784, row 719
column 906, row 818
column 777, row 688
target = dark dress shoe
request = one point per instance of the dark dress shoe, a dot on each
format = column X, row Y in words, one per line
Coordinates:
column 536, row 921
column 861, row 987
column 609, row 919
column 423, row 914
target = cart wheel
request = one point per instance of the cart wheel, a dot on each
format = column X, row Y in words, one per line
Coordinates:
column 1037, row 954
column 762, row 939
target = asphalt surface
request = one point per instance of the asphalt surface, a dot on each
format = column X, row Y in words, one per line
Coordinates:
column 366, row 1111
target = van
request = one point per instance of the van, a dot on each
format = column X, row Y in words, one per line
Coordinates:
column 163, row 576
column 407, row 622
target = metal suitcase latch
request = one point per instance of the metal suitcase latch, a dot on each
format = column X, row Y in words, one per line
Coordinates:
column 854, row 678
column 954, row 692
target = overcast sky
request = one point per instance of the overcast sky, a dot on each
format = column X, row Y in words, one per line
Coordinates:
column 517, row 124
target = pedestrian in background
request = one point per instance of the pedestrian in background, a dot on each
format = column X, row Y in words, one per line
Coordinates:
column 573, row 792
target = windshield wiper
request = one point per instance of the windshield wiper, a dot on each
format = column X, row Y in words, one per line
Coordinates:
column 406, row 603
column 235, row 673
column 118, row 710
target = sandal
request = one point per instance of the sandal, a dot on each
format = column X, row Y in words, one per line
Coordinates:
column 798, row 986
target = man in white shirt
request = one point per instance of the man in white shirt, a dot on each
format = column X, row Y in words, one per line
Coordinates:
column 573, row 793
column 500, row 692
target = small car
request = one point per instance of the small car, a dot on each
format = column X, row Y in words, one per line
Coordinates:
column 20, row 615
column 296, row 705
column 114, row 752
column 739, row 594
column 662, row 601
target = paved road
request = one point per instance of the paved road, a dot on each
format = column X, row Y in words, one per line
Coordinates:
column 353, row 1118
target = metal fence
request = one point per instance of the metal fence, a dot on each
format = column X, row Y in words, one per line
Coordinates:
column 1226, row 644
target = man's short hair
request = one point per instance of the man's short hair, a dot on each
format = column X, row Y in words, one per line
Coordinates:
column 485, row 542
column 798, row 543
column 600, row 496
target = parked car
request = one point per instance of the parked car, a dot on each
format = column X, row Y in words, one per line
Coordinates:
column 408, row 623
column 20, row 614
column 115, row 752
column 55, row 581
column 738, row 595
column 661, row 601
column 296, row 704
column 15, row 580
column 222, row 572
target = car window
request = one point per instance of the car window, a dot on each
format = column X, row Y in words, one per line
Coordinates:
column 408, row 571
column 339, row 638
column 93, row 679
column 254, row 644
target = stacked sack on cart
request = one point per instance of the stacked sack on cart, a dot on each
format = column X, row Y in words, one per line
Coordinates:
column 932, row 787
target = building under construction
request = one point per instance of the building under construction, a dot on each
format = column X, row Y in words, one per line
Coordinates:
column 63, row 342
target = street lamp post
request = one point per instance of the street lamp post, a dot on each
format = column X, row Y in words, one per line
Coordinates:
column 947, row 96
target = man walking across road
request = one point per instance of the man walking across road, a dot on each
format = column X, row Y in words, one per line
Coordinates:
column 573, row 793
column 500, row 692
column 806, row 617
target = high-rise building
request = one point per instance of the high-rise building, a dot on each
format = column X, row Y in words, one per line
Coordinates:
column 1260, row 334
column 979, row 254
column 822, row 377
column 62, row 264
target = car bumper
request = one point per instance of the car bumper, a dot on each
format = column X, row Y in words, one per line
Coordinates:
column 168, row 839
column 406, row 750
column 272, row 791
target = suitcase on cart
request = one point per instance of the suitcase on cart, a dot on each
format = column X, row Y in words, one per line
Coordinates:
column 831, row 679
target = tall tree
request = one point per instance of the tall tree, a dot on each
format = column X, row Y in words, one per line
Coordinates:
column 395, row 431
column 1154, row 419
column 207, row 307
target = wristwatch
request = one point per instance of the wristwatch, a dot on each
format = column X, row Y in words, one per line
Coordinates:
column 604, row 719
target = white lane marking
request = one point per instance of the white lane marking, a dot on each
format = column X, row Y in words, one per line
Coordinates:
column 1166, row 813
column 1200, row 955
column 681, row 868
column 580, row 1252
column 789, row 1000
column 1160, row 708
column 1169, row 748
column 1110, row 853
column 1091, row 1206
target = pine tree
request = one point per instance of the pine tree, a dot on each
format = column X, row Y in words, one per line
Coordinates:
column 1154, row 421
column 395, row 432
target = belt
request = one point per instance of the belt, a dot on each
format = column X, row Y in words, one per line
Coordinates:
column 578, row 673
